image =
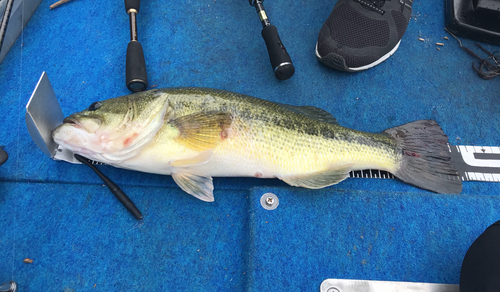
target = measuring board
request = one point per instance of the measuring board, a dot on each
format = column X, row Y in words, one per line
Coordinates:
column 473, row 163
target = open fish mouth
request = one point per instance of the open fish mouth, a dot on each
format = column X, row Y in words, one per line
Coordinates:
column 72, row 121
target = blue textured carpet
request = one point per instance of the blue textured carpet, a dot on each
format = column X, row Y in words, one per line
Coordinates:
column 79, row 237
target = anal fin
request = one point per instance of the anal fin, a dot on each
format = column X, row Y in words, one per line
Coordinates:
column 321, row 179
column 198, row 186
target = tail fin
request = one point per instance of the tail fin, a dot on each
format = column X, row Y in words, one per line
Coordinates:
column 426, row 157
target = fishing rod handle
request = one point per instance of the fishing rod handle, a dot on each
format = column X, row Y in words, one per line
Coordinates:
column 280, row 60
column 132, row 4
column 135, row 67
column 136, row 77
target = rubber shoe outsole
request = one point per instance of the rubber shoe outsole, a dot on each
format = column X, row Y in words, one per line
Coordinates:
column 338, row 62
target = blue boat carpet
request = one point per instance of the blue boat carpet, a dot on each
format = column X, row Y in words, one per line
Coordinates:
column 81, row 239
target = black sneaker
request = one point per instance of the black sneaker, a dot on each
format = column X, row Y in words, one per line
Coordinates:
column 360, row 34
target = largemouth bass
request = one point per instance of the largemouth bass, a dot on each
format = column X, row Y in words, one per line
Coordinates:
column 194, row 134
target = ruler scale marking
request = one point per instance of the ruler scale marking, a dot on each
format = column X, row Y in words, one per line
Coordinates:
column 473, row 163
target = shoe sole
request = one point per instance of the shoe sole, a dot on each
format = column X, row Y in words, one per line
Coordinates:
column 338, row 62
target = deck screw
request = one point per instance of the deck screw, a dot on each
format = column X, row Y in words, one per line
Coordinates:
column 269, row 201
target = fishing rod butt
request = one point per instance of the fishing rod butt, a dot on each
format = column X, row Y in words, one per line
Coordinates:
column 136, row 75
column 132, row 4
column 280, row 60
column 136, row 78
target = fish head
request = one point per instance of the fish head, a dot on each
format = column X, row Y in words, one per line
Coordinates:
column 116, row 129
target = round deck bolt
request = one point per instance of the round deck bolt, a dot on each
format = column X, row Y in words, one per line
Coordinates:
column 269, row 201
column 332, row 289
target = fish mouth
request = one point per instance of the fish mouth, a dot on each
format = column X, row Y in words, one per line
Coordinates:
column 72, row 121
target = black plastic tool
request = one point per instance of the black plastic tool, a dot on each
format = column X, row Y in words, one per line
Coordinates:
column 119, row 194
column 136, row 75
column 280, row 60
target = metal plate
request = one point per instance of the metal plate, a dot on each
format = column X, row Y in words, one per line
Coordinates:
column 343, row 285
column 43, row 115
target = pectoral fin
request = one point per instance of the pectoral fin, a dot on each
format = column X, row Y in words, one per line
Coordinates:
column 199, row 159
column 320, row 179
column 199, row 186
column 203, row 130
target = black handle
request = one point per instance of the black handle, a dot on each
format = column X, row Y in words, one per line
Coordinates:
column 132, row 4
column 280, row 60
column 136, row 75
column 119, row 194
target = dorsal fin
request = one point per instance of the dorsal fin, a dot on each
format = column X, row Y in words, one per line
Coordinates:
column 312, row 112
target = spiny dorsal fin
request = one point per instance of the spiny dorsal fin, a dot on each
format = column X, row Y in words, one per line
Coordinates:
column 203, row 130
column 198, row 186
column 312, row 112
column 320, row 179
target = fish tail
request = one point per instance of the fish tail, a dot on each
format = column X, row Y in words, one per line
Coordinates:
column 426, row 160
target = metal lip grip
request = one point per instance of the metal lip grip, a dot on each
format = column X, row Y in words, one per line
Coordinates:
column 136, row 76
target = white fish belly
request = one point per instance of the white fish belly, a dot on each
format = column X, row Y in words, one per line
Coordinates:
column 217, row 166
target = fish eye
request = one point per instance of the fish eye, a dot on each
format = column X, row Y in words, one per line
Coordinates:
column 94, row 106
